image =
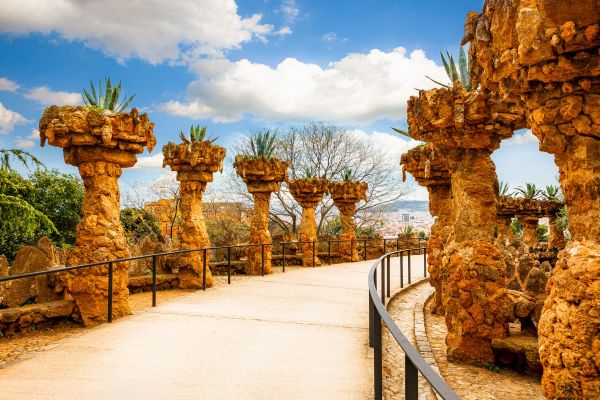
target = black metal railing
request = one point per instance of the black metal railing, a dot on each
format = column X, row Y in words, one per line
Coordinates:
column 109, row 264
column 413, row 362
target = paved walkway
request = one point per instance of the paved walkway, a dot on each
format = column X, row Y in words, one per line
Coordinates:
column 298, row 335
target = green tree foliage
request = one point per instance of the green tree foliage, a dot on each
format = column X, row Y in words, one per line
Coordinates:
column 333, row 226
column 516, row 227
column 138, row 223
column 59, row 197
column 542, row 233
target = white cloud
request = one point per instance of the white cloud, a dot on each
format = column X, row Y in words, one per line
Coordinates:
column 329, row 37
column 522, row 138
column 150, row 162
column 289, row 9
column 391, row 145
column 28, row 141
column 8, row 119
column 48, row 97
column 7, row 85
column 153, row 30
column 359, row 88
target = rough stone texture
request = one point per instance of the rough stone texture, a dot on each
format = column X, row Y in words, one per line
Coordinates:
column 18, row 318
column 346, row 195
column 465, row 128
column 3, row 266
column 548, row 52
column 99, row 144
column 430, row 170
column 308, row 193
column 37, row 289
column 195, row 164
column 262, row 176
column 569, row 328
column 139, row 284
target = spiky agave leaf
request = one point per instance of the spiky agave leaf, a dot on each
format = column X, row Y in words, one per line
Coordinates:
column 107, row 98
column 463, row 64
column 503, row 188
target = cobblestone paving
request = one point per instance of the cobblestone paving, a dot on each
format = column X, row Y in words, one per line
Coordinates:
column 475, row 383
column 402, row 309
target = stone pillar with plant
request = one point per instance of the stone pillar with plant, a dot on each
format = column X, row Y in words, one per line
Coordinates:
column 465, row 126
column 100, row 139
column 548, row 53
column 195, row 160
column 308, row 192
column 262, row 173
column 346, row 194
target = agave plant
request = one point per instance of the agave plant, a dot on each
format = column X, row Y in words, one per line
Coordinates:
column 529, row 191
column 309, row 173
column 461, row 73
column 503, row 188
column 109, row 99
column 401, row 131
column 262, row 144
column 552, row 193
column 408, row 231
column 347, row 174
column 197, row 134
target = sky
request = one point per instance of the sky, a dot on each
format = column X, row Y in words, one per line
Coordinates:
column 237, row 67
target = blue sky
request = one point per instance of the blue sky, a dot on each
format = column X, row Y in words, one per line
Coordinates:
column 237, row 67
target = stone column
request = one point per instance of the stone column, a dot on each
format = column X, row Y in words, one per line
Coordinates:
column 530, row 224
column 262, row 177
column 504, row 229
column 548, row 53
column 195, row 164
column 557, row 236
column 100, row 145
column 465, row 128
column 308, row 193
column 429, row 170
column 345, row 196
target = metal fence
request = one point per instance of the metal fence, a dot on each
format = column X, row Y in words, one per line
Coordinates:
column 414, row 363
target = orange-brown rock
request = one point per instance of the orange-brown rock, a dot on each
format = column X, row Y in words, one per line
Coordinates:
column 548, row 52
column 430, row 170
column 465, row 128
column 195, row 164
column 100, row 144
column 346, row 195
column 262, row 176
column 308, row 192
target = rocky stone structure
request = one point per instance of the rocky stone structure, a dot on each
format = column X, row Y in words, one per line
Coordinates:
column 308, row 192
column 100, row 144
column 195, row 164
column 39, row 289
column 465, row 128
column 262, row 176
column 346, row 195
column 548, row 52
column 430, row 170
column 528, row 212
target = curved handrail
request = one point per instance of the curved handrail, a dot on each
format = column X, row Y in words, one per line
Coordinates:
column 412, row 355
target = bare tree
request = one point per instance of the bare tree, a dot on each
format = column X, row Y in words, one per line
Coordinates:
column 326, row 150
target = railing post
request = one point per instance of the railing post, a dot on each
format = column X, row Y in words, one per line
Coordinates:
column 262, row 258
column 371, row 319
column 388, row 276
column 409, row 251
column 313, row 254
column 229, row 265
column 411, row 380
column 397, row 244
column 382, row 280
column 425, row 262
column 377, row 356
column 329, row 251
column 204, row 269
column 384, row 245
column 401, row 269
column 153, row 281
column 110, row 291
column 283, row 255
